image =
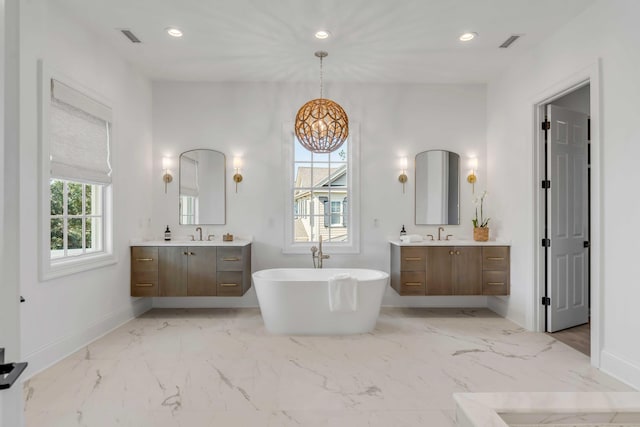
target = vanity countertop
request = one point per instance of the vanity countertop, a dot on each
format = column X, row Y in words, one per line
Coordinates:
column 452, row 242
column 235, row 242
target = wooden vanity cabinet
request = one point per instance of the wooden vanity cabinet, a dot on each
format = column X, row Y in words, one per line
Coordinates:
column 170, row 271
column 187, row 271
column 450, row 270
column 144, row 271
column 408, row 266
column 495, row 270
column 454, row 270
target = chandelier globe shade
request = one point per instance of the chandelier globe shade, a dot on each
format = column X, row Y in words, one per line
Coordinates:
column 322, row 125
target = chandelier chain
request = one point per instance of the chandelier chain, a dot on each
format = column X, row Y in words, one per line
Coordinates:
column 321, row 87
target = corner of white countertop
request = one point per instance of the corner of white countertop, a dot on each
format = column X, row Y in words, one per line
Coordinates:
column 451, row 242
column 185, row 242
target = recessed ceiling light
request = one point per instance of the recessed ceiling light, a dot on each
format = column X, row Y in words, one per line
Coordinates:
column 174, row 32
column 468, row 36
column 322, row 34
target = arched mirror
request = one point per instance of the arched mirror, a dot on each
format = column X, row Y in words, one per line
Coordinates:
column 202, row 187
column 437, row 188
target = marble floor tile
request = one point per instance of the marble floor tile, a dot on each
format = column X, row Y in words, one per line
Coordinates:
column 219, row 367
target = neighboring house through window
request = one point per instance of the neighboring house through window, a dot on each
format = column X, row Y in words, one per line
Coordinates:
column 318, row 201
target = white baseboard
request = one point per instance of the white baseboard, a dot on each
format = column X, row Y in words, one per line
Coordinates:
column 621, row 369
column 54, row 352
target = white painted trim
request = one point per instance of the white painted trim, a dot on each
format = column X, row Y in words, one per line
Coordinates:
column 353, row 206
column 588, row 75
column 52, row 353
column 620, row 369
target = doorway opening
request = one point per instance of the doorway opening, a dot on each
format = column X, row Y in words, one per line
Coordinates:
column 567, row 254
column 567, row 213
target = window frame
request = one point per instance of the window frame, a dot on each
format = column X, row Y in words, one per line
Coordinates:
column 49, row 267
column 352, row 245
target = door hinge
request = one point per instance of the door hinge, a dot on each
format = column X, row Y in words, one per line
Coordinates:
column 546, row 301
column 546, row 243
column 586, row 244
column 589, row 129
column 546, row 184
column 546, row 125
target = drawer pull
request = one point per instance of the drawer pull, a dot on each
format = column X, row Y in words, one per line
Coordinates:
column 144, row 259
column 192, row 253
column 228, row 285
column 413, row 259
column 144, row 285
column 495, row 258
column 231, row 259
column 495, row 283
column 413, row 284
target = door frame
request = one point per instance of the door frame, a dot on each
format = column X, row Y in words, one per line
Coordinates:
column 589, row 75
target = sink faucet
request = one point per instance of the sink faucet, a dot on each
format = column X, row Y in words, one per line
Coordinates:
column 439, row 230
column 199, row 230
column 319, row 256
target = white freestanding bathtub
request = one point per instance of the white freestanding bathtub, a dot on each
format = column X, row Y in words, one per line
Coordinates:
column 295, row 301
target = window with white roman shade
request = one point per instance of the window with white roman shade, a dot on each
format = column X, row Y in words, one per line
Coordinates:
column 77, row 227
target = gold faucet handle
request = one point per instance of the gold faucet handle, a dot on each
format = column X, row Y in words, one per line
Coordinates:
column 448, row 235
column 211, row 237
column 314, row 249
column 430, row 236
column 193, row 238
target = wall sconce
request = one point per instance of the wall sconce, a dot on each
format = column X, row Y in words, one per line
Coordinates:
column 166, row 176
column 471, row 178
column 403, row 175
column 237, row 177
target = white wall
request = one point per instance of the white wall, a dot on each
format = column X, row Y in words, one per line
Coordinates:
column 62, row 314
column 607, row 30
column 247, row 119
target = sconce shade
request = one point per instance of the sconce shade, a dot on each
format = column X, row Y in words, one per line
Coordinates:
column 322, row 126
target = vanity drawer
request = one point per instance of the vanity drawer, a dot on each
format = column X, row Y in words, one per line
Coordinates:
column 413, row 259
column 495, row 282
column 144, row 284
column 229, row 283
column 412, row 283
column 229, row 259
column 495, row 258
column 144, row 258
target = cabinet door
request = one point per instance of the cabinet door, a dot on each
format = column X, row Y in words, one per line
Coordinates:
column 467, row 271
column 439, row 264
column 202, row 271
column 172, row 271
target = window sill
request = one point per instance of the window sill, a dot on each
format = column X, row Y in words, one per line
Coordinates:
column 305, row 249
column 66, row 267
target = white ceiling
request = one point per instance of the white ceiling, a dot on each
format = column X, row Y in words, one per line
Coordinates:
column 410, row 41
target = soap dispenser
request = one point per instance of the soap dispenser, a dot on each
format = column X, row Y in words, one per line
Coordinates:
column 403, row 232
column 167, row 234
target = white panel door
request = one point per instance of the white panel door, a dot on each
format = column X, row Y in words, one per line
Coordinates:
column 567, row 213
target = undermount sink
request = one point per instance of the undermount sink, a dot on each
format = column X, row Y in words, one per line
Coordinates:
column 187, row 242
column 451, row 242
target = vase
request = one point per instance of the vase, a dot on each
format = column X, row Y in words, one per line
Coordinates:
column 481, row 234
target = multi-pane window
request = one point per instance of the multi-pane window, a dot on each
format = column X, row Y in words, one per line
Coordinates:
column 320, row 193
column 188, row 210
column 76, row 218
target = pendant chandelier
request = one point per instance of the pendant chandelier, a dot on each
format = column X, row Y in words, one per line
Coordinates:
column 322, row 126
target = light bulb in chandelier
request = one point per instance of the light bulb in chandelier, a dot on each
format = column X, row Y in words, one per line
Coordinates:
column 322, row 126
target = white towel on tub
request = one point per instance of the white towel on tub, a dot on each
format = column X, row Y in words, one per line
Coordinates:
column 343, row 293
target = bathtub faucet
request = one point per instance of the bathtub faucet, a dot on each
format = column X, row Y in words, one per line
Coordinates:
column 316, row 254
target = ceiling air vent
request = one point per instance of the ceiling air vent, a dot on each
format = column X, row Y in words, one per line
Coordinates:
column 128, row 34
column 509, row 41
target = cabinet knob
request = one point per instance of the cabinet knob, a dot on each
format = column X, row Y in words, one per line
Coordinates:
column 186, row 253
column 450, row 252
column 457, row 252
column 192, row 253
